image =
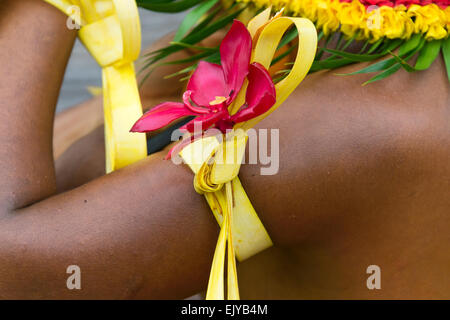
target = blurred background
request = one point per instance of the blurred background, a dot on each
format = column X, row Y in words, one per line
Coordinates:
column 83, row 71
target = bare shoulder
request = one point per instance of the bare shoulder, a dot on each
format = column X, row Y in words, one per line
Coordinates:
column 353, row 150
column 364, row 178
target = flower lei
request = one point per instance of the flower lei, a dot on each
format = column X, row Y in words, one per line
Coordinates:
column 372, row 19
column 397, row 30
column 413, row 27
column 234, row 95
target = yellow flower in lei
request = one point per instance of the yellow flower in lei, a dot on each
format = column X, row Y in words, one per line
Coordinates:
column 327, row 19
column 409, row 27
column 393, row 24
column 447, row 18
column 352, row 17
column 372, row 19
column 430, row 20
column 396, row 29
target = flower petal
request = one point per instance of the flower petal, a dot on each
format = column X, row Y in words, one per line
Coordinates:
column 205, row 121
column 224, row 125
column 260, row 95
column 235, row 52
column 161, row 116
column 206, row 83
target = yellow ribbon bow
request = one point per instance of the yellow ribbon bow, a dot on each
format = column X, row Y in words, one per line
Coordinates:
column 110, row 30
column 216, row 164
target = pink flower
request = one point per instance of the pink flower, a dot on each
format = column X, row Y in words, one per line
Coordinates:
column 406, row 3
column 212, row 88
column 379, row 3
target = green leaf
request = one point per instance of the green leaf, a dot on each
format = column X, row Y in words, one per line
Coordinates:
column 389, row 45
column 355, row 56
column 195, row 57
column 168, row 6
column 320, row 35
column 185, row 70
column 193, row 17
column 403, row 62
column 348, row 43
column 446, row 54
column 288, row 37
column 374, row 46
column 386, row 73
column 282, row 55
column 283, row 71
column 339, row 47
column 428, row 54
column 206, row 21
column 364, row 47
column 425, row 64
column 214, row 58
column 410, row 45
column 338, row 44
column 380, row 65
column 192, row 46
column 330, row 64
column 387, row 63
column 395, row 66
column 217, row 25
column 320, row 52
column 194, row 37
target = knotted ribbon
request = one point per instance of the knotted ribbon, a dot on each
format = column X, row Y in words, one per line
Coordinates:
column 216, row 164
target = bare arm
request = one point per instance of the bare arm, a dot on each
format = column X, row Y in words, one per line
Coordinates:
column 364, row 178
column 116, row 229
column 144, row 232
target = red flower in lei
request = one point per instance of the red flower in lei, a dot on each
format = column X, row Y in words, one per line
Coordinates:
column 393, row 3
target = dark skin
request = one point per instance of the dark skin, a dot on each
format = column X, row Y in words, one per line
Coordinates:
column 106, row 231
column 364, row 179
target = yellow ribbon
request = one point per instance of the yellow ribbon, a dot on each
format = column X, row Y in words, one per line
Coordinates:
column 216, row 166
column 216, row 163
column 110, row 30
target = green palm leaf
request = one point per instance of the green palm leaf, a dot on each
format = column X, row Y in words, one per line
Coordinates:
column 167, row 6
column 193, row 17
column 446, row 54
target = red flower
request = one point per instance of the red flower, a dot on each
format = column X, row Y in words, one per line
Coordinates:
column 393, row 3
column 406, row 3
column 379, row 3
column 212, row 88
